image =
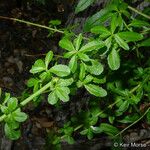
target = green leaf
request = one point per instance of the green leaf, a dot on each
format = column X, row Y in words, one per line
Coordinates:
column 60, row 70
column 109, row 129
column 130, row 36
column 38, row 66
column 120, row 21
column 139, row 23
column 96, row 90
column 94, row 45
column 7, row 97
column 73, row 64
column 4, row 109
column 79, row 84
column 55, row 22
column 82, row 5
column 82, row 71
column 52, row 98
column 88, row 79
column 68, row 130
column 100, row 30
column 45, row 76
column 62, row 93
column 96, row 129
column 96, row 68
column 36, row 87
column 31, row 82
column 108, row 42
column 83, row 57
column 145, row 43
column 97, row 19
column 113, row 23
column 65, row 82
column 11, row 122
column 69, row 139
column 69, row 54
column 113, row 60
column 129, row 119
column 10, row 133
column 90, row 134
column 99, row 81
column 48, row 58
column 123, row 107
column 111, row 119
column 12, row 104
column 19, row 116
column 84, row 132
column 121, row 42
column 66, row 44
column 78, row 41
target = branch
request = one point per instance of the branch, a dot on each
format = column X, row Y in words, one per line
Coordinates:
column 139, row 12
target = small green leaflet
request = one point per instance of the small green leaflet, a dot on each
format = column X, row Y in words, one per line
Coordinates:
column 66, row 44
column 82, row 5
column 109, row 129
column 113, row 23
column 69, row 54
column 96, row 90
column 104, row 32
column 139, row 23
column 32, row 81
column 78, row 41
column 48, row 58
column 19, row 116
column 129, row 119
column 100, row 30
column 82, row 71
column 108, row 43
column 96, row 68
column 124, row 106
column 73, row 63
column 88, row 79
column 11, row 133
column 121, row 42
column 130, row 36
column 83, row 57
column 65, row 82
column 69, row 139
column 145, row 42
column 52, row 98
column 45, row 75
column 12, row 104
column 60, row 70
column 55, row 22
column 97, row 19
column 113, row 60
column 94, row 45
column 38, row 66
column 62, row 93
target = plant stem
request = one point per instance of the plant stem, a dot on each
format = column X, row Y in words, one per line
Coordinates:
column 33, row 24
column 139, row 12
column 30, row 98
column 27, row 100
column 37, row 25
column 133, row 123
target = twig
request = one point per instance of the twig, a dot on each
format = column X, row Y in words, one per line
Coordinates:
column 33, row 24
column 133, row 123
column 139, row 12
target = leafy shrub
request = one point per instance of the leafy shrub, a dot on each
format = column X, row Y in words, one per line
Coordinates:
column 112, row 65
